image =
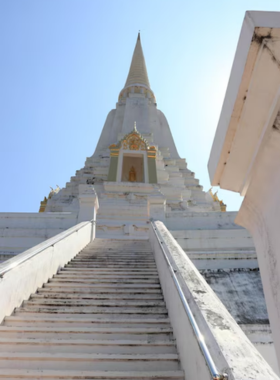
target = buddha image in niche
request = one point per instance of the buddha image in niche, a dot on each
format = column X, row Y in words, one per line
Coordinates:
column 132, row 175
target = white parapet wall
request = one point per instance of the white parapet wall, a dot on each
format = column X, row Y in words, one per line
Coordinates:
column 25, row 273
column 201, row 220
column 230, row 349
column 20, row 231
column 218, row 248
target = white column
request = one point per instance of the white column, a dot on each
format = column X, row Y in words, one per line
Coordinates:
column 260, row 214
column 157, row 206
column 88, row 202
column 245, row 155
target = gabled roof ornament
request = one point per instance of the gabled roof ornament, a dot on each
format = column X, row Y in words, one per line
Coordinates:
column 133, row 141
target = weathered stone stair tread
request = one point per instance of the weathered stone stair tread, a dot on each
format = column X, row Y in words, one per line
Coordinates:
column 95, row 290
column 102, row 316
column 107, row 330
column 92, row 296
column 87, row 346
column 115, row 256
column 145, row 271
column 106, row 275
column 119, row 303
column 96, row 375
column 67, row 314
column 105, row 309
column 104, row 280
column 108, row 270
column 92, row 357
column 58, row 318
column 111, row 266
column 131, row 259
column 95, row 342
column 108, row 286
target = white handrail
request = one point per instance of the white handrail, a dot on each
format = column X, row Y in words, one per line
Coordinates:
column 28, row 254
column 211, row 365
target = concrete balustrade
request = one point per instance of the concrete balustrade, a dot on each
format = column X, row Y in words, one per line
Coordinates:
column 230, row 349
column 40, row 263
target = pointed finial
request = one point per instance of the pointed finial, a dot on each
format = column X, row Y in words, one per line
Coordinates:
column 138, row 35
column 135, row 129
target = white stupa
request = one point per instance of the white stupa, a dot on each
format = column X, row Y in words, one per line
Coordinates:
column 138, row 176
column 136, row 169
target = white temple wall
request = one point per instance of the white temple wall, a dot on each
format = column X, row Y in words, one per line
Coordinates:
column 108, row 134
column 164, row 136
column 137, row 109
column 268, row 352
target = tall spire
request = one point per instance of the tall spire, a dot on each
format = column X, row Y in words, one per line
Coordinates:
column 138, row 71
column 137, row 79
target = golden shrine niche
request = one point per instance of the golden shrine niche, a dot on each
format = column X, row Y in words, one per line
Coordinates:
column 132, row 159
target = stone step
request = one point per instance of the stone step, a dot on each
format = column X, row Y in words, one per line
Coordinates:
column 95, row 290
column 107, row 296
column 14, row 374
column 87, row 303
column 93, row 310
column 103, row 285
column 86, row 361
column 104, row 263
column 88, row 333
column 115, row 254
column 86, row 346
column 100, row 314
column 123, row 246
column 105, row 276
column 111, row 265
column 73, row 281
column 120, row 254
column 113, row 258
column 52, row 320
column 108, row 270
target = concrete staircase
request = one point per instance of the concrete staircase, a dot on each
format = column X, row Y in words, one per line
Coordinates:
column 101, row 317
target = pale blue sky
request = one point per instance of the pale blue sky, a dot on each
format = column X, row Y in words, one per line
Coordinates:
column 64, row 62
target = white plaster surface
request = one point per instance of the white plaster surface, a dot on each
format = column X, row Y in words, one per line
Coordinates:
column 246, row 150
column 261, row 337
column 241, row 292
column 252, row 64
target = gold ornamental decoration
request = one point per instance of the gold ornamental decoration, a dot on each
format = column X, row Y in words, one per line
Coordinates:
column 133, row 141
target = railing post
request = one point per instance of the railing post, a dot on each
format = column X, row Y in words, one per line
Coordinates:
column 88, row 202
